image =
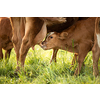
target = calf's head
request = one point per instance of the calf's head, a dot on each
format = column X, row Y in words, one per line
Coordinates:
column 53, row 40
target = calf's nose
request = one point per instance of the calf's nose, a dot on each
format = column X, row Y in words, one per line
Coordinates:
column 42, row 42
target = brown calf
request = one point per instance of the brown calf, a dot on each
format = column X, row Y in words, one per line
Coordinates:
column 5, row 36
column 96, row 47
column 78, row 38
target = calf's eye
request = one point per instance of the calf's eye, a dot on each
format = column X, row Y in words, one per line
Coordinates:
column 51, row 37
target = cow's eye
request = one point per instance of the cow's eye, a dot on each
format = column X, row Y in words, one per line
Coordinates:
column 51, row 37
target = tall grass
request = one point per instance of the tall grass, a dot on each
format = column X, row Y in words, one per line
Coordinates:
column 38, row 70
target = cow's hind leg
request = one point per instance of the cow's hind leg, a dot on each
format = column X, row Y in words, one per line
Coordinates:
column 1, row 54
column 96, row 47
column 96, row 55
column 7, row 53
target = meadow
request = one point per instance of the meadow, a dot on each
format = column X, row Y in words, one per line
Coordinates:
column 40, row 71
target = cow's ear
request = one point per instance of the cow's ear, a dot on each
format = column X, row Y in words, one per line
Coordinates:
column 63, row 35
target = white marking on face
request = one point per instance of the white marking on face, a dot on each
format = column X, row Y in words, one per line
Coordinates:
column 50, row 33
column 98, row 39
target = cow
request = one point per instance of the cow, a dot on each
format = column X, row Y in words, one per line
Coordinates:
column 5, row 37
column 79, row 39
column 29, row 31
column 96, row 47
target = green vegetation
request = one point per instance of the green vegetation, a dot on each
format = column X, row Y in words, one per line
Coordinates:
column 39, row 71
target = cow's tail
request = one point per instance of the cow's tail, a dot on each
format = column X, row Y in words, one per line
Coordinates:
column 97, row 30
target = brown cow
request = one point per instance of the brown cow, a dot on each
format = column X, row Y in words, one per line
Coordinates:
column 78, row 38
column 96, row 47
column 5, row 37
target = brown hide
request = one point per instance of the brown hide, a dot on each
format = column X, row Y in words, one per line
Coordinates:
column 5, row 36
column 78, row 38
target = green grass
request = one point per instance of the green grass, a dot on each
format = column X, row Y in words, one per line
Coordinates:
column 40, row 71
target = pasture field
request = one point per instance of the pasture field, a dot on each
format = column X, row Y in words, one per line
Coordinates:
column 39, row 71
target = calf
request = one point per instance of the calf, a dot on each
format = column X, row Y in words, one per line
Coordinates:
column 78, row 38
column 96, row 47
column 5, row 37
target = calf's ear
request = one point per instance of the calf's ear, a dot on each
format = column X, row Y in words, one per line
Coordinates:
column 63, row 35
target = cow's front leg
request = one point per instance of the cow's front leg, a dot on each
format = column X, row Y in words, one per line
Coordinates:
column 35, row 32
column 16, row 37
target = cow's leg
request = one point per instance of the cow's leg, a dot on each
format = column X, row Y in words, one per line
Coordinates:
column 96, row 55
column 1, row 54
column 96, row 47
column 7, row 53
column 16, row 38
column 18, row 24
column 54, row 55
column 16, row 44
column 83, row 50
column 35, row 32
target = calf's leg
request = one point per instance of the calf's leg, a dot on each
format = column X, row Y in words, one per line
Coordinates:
column 54, row 55
column 83, row 50
column 75, row 58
